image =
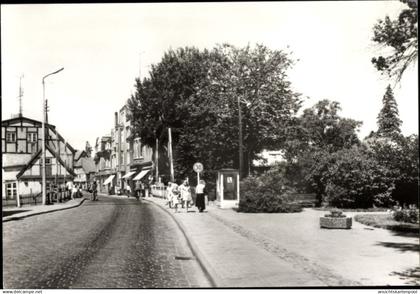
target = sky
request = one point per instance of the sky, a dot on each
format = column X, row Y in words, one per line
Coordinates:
column 104, row 47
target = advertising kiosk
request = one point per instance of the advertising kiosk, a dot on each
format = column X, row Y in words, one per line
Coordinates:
column 227, row 188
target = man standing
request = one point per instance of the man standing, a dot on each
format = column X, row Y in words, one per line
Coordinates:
column 69, row 186
column 94, row 190
column 138, row 189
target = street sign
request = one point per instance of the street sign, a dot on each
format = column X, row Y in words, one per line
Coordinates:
column 198, row 167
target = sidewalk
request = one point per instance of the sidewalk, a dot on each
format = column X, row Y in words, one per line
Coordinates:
column 233, row 260
column 361, row 256
column 16, row 213
column 284, row 250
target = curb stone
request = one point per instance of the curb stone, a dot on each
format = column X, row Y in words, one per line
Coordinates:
column 204, row 264
column 14, row 218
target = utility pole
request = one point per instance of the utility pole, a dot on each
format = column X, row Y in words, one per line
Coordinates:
column 171, row 164
column 140, row 64
column 241, row 155
column 157, row 159
column 57, row 151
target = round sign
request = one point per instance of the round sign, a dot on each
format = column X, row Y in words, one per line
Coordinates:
column 198, row 167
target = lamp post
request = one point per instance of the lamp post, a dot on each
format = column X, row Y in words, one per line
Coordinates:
column 44, row 105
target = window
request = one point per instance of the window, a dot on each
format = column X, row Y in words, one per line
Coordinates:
column 10, row 137
column 107, row 164
column 11, row 191
column 137, row 148
column 32, row 137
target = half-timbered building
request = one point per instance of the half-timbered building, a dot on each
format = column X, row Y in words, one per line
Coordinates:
column 21, row 142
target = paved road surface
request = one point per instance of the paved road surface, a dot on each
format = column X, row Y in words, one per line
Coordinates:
column 111, row 243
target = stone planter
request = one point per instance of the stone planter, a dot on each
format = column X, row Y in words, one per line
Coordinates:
column 328, row 222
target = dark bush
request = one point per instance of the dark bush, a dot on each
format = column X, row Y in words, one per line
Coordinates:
column 266, row 193
column 355, row 180
column 401, row 156
column 410, row 215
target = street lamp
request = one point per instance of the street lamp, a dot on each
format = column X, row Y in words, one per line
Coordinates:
column 44, row 105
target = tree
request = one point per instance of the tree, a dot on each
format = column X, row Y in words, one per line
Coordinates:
column 388, row 119
column 195, row 93
column 326, row 129
column 401, row 156
column 400, row 36
column 354, row 179
column 311, row 139
column 162, row 101
column 253, row 80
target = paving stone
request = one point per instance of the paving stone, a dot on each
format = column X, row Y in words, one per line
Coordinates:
column 111, row 243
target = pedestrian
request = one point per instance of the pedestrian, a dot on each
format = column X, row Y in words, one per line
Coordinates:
column 142, row 189
column 168, row 195
column 138, row 189
column 200, row 191
column 175, row 196
column 94, row 190
column 69, row 187
column 74, row 191
column 146, row 188
column 185, row 194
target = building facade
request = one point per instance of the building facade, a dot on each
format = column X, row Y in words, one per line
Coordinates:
column 84, row 168
column 104, row 174
column 22, row 159
column 129, row 160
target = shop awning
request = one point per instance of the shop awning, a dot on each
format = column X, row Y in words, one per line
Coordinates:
column 108, row 180
column 128, row 175
column 141, row 174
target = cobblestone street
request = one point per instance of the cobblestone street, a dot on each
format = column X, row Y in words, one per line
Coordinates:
column 112, row 243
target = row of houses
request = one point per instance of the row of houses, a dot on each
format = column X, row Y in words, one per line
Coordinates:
column 120, row 158
column 21, row 139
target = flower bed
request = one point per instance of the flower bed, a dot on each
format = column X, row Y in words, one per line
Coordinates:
column 386, row 221
column 335, row 220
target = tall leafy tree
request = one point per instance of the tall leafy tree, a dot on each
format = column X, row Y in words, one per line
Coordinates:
column 399, row 36
column 401, row 156
column 254, row 79
column 388, row 118
column 312, row 140
column 326, row 129
column 162, row 101
column 196, row 92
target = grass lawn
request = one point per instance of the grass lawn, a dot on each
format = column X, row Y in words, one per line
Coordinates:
column 353, row 209
column 385, row 221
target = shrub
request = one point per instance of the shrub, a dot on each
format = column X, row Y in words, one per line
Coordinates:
column 355, row 180
column 401, row 156
column 266, row 193
column 410, row 215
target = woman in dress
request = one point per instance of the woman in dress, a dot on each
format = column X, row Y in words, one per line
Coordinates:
column 175, row 195
column 200, row 191
column 185, row 194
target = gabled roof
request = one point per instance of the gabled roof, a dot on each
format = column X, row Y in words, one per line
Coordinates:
column 79, row 154
column 88, row 165
column 7, row 122
column 37, row 155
